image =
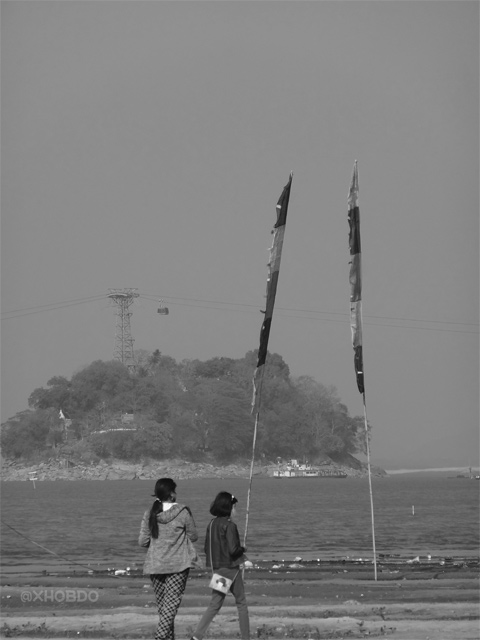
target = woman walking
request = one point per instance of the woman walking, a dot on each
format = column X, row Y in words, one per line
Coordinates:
column 224, row 555
column 168, row 531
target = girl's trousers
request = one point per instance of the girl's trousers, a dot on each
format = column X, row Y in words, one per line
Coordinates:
column 168, row 588
column 216, row 603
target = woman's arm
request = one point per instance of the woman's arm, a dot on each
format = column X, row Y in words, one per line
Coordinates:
column 144, row 536
column 190, row 528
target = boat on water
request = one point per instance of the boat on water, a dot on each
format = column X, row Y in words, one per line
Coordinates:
column 295, row 470
column 470, row 475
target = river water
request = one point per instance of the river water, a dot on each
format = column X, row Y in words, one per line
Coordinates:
column 96, row 523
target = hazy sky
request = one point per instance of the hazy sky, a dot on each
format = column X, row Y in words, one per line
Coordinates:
column 145, row 144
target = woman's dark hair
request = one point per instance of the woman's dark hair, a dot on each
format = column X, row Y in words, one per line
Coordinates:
column 223, row 503
column 164, row 492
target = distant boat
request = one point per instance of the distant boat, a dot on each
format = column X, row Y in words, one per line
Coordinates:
column 295, row 470
column 470, row 475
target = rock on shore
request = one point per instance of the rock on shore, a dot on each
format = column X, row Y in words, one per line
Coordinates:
column 64, row 469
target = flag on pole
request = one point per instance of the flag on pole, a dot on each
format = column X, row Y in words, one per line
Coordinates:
column 272, row 281
column 356, row 321
column 356, row 278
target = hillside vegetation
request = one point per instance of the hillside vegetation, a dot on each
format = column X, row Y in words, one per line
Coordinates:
column 197, row 411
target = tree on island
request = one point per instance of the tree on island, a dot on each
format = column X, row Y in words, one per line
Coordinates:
column 191, row 409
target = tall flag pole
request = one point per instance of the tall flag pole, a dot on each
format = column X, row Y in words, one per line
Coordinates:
column 272, row 281
column 356, row 319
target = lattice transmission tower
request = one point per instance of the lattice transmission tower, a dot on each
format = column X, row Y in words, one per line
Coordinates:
column 123, row 351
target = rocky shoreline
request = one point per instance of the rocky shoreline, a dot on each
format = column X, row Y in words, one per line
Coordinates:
column 65, row 469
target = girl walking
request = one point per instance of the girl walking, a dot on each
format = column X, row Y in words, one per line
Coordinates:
column 168, row 531
column 224, row 555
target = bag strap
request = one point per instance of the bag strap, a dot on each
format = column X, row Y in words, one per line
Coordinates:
column 210, row 537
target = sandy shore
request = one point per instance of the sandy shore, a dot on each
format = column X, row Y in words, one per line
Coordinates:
column 336, row 600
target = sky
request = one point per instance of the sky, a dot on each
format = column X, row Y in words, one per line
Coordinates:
column 145, row 145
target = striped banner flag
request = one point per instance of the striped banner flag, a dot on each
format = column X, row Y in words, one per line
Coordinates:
column 356, row 322
column 272, row 281
column 356, row 278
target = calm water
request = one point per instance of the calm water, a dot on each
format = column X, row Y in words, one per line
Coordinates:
column 97, row 522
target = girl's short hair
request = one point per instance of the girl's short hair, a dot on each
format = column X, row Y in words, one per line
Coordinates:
column 223, row 503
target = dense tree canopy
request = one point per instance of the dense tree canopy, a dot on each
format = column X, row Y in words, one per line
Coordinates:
column 191, row 409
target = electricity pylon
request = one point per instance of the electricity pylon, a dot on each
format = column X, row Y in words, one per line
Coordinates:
column 123, row 299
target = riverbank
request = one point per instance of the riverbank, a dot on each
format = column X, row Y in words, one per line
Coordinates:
column 66, row 469
column 334, row 600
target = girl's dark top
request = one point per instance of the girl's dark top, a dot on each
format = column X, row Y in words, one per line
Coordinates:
column 225, row 544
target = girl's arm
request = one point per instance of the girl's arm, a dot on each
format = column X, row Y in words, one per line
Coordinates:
column 235, row 549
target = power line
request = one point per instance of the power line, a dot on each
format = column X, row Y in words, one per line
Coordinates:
column 382, row 324
column 244, row 307
column 337, row 313
column 343, row 317
column 53, row 306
